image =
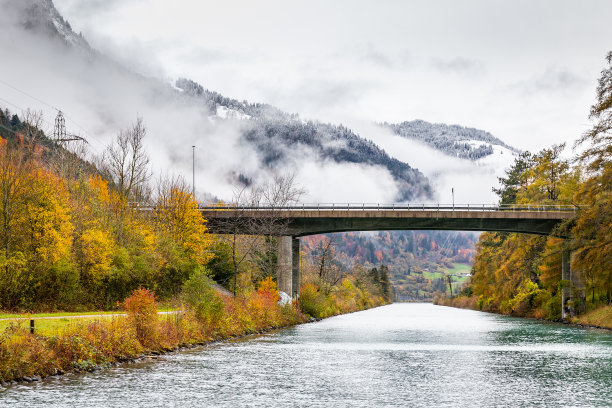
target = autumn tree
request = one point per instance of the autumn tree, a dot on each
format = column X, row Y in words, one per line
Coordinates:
column 592, row 242
column 185, row 242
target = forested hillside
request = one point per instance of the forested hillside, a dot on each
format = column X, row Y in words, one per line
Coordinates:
column 454, row 140
column 275, row 133
column 418, row 261
column 521, row 274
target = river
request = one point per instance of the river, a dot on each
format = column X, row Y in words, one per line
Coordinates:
column 397, row 355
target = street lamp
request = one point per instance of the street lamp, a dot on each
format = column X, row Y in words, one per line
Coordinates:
column 193, row 171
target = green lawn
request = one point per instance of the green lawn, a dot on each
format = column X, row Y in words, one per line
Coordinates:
column 48, row 327
column 459, row 268
column 432, row 275
column 56, row 314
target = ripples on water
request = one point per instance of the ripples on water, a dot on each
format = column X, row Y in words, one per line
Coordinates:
column 397, row 355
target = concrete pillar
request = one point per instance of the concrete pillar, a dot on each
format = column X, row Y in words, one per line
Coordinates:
column 566, row 277
column 295, row 247
column 284, row 265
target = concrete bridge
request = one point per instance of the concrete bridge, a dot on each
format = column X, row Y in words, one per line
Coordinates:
column 290, row 223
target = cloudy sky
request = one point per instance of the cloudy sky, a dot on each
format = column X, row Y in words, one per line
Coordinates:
column 524, row 70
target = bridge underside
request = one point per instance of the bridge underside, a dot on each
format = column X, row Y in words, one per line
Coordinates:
column 301, row 227
column 302, row 223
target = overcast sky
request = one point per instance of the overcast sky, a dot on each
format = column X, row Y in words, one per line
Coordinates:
column 524, row 70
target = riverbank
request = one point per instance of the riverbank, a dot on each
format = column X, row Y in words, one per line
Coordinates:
column 599, row 318
column 144, row 332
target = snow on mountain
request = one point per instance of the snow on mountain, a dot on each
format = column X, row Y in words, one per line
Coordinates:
column 454, row 140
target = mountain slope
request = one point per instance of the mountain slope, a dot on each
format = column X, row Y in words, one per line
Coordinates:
column 249, row 141
column 273, row 132
column 453, row 140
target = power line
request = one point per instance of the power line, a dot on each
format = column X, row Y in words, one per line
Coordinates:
column 53, row 107
column 27, row 94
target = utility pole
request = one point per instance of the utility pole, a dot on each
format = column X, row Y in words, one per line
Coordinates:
column 60, row 136
column 193, row 171
column 453, row 193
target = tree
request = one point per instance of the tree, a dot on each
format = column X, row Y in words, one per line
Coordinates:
column 330, row 272
column 251, row 238
column 545, row 176
column 178, row 216
column 127, row 162
column 514, row 180
column 592, row 232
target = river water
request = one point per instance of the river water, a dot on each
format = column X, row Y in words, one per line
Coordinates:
column 397, row 355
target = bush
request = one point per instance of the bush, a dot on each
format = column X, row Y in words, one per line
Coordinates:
column 200, row 297
column 142, row 313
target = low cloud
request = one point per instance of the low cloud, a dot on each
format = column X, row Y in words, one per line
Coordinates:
column 553, row 80
column 459, row 65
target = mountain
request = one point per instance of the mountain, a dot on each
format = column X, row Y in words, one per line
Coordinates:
column 273, row 132
column 41, row 16
column 262, row 138
column 453, row 140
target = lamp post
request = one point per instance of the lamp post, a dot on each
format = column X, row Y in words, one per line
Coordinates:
column 193, row 171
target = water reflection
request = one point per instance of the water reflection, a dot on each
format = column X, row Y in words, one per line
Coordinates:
column 398, row 355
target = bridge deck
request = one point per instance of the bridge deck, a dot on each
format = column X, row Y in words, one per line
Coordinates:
column 302, row 221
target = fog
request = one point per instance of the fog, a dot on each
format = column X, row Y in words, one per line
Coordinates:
column 343, row 83
column 99, row 97
column 472, row 182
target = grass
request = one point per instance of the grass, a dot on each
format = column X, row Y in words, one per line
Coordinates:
column 48, row 327
column 459, row 268
column 601, row 317
column 56, row 314
column 432, row 275
column 70, row 314
column 50, row 324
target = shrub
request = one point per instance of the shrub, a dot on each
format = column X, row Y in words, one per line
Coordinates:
column 200, row 297
column 142, row 313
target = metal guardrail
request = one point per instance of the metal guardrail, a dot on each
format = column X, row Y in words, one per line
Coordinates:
column 398, row 207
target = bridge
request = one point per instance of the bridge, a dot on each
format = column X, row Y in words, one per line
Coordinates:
column 291, row 222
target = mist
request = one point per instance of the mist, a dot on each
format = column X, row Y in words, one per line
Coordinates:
column 472, row 182
column 99, row 97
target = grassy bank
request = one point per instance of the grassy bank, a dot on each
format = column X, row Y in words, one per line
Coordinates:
column 600, row 317
column 83, row 344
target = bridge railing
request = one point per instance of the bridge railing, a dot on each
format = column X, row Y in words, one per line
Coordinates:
column 399, row 207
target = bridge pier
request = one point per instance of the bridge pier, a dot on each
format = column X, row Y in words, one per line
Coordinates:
column 566, row 278
column 573, row 297
column 295, row 278
column 288, row 265
column 284, row 271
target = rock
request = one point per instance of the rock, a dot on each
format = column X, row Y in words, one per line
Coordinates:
column 312, row 319
column 36, row 378
column 4, row 384
column 27, row 379
column 284, row 298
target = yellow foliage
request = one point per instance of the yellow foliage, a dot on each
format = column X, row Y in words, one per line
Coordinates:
column 96, row 248
column 180, row 218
